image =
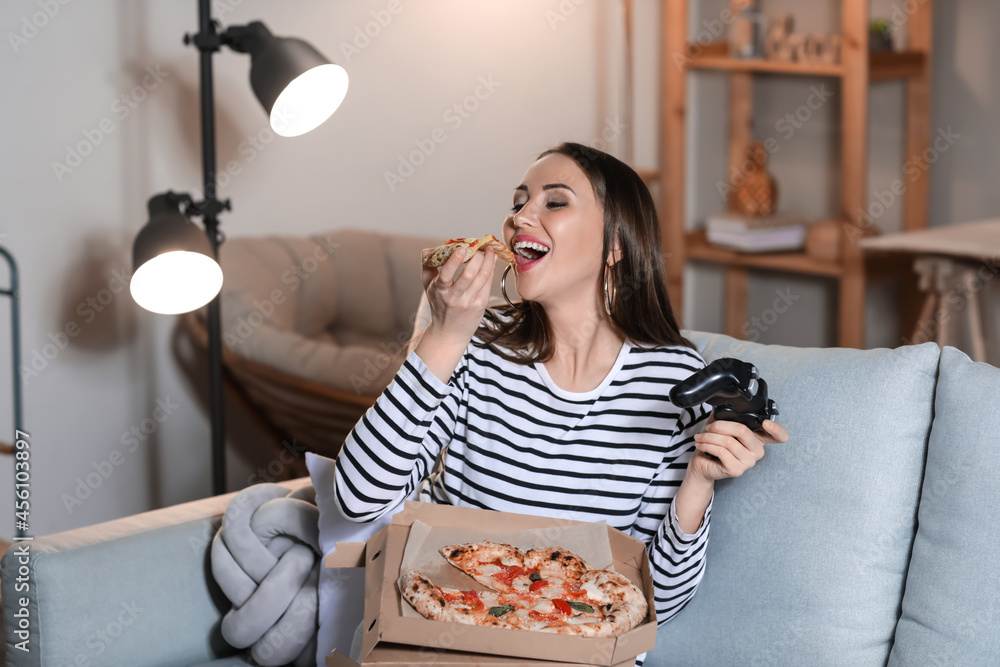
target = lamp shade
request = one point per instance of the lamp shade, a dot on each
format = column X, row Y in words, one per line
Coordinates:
column 174, row 270
column 297, row 86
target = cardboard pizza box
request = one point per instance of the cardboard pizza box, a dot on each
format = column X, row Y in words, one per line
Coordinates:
column 385, row 623
column 390, row 655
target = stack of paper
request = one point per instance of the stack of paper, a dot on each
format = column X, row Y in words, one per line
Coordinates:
column 782, row 231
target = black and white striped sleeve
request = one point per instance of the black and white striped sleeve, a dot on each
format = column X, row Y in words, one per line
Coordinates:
column 677, row 559
column 395, row 443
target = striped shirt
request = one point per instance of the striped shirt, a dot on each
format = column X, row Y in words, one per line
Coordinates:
column 517, row 442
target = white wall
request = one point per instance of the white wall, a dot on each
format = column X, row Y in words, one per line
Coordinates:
column 557, row 80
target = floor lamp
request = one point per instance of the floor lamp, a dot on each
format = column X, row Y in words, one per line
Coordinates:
column 175, row 264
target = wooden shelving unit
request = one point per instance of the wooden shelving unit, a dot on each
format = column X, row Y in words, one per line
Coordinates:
column 856, row 71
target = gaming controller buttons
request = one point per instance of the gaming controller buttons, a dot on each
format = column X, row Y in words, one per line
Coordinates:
column 752, row 387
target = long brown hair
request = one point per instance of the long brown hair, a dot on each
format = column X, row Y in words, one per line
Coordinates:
column 640, row 307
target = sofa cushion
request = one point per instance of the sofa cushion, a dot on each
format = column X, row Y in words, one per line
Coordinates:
column 951, row 608
column 809, row 549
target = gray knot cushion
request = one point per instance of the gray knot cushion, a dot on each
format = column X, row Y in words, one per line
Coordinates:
column 265, row 559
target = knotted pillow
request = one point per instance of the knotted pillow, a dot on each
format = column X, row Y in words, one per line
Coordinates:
column 265, row 558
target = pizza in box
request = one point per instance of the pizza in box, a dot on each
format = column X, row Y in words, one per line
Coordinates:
column 542, row 590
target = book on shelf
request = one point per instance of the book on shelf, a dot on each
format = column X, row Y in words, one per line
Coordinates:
column 778, row 232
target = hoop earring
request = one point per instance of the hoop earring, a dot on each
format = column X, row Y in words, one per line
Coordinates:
column 607, row 292
column 520, row 305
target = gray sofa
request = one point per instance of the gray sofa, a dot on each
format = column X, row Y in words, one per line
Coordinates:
column 868, row 539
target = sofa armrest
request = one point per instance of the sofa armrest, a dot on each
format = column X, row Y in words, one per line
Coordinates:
column 137, row 590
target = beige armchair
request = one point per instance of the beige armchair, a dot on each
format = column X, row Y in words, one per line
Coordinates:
column 315, row 328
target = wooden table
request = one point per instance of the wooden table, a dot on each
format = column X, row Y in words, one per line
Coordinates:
column 954, row 263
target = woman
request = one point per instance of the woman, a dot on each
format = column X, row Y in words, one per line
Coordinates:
column 559, row 405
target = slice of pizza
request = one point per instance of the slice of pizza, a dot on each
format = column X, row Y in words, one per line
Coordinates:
column 506, row 568
column 439, row 255
column 494, row 565
column 483, row 608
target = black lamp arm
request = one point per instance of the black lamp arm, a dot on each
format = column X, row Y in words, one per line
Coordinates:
column 208, row 207
column 209, row 40
column 249, row 38
column 170, row 201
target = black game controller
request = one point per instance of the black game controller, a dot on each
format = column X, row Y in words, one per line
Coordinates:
column 733, row 388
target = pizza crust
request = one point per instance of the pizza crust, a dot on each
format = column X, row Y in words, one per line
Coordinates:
column 468, row 559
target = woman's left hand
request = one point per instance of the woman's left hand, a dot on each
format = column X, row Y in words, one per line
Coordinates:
column 728, row 449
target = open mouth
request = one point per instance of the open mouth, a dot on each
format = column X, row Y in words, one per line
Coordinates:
column 529, row 252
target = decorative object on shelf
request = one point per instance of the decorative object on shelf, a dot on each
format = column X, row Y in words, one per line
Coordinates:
column 785, row 46
column 773, row 233
column 777, row 46
column 175, row 267
column 746, row 35
column 830, row 53
column 823, row 240
column 757, row 196
column 879, row 36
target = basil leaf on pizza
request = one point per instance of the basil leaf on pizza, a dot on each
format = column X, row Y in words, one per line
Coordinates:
column 500, row 610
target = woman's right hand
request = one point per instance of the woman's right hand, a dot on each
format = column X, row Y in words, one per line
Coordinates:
column 457, row 305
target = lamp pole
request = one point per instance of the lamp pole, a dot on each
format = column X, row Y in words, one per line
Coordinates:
column 208, row 42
